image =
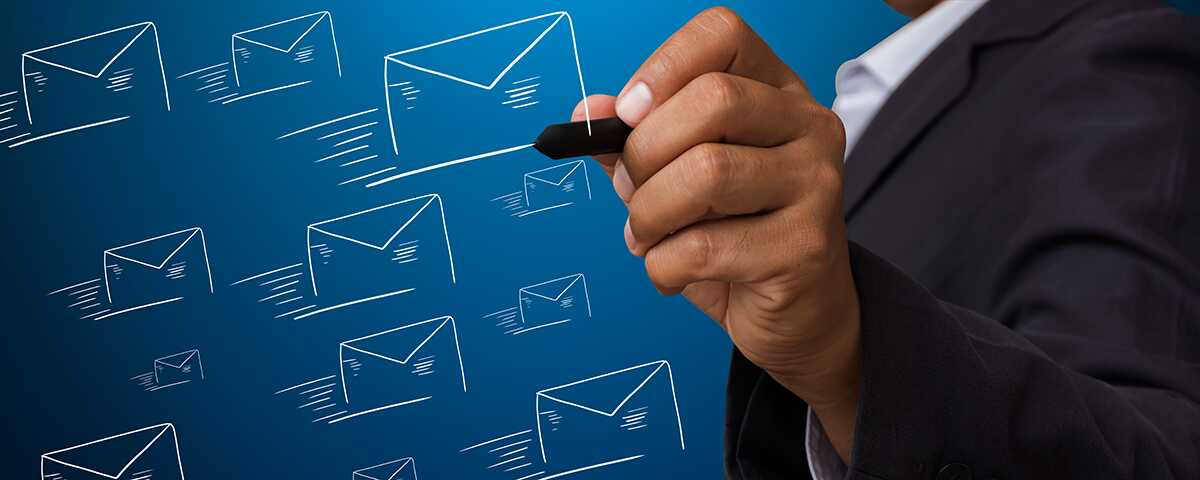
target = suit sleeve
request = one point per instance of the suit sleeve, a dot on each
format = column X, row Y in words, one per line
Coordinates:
column 1086, row 362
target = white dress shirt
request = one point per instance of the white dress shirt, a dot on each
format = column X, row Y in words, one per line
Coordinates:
column 863, row 85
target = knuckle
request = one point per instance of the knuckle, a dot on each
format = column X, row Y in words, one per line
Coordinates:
column 657, row 269
column 698, row 250
column 713, row 168
column 723, row 91
column 723, row 21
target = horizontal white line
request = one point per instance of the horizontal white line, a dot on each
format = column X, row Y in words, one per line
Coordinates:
column 591, row 467
column 26, row 134
column 69, row 130
column 506, row 437
column 348, row 130
column 326, row 123
column 518, row 89
column 379, row 409
column 7, row 94
column 210, row 67
column 139, row 307
column 352, row 162
column 269, row 90
column 277, row 270
column 298, row 310
column 369, row 175
column 551, row 324
column 447, row 164
column 352, row 150
column 353, row 302
column 80, row 284
column 293, row 387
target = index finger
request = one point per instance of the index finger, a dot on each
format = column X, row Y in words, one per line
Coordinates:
column 716, row 40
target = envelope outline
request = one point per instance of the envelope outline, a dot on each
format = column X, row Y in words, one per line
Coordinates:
column 661, row 364
column 393, row 57
column 430, row 198
column 166, row 427
column 146, row 26
column 195, row 231
column 578, row 163
column 179, row 364
column 403, row 462
column 446, row 319
column 321, row 15
column 578, row 277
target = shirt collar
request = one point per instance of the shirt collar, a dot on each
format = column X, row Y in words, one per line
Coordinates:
column 895, row 57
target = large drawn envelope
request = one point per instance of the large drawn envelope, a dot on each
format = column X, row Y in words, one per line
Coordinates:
column 608, row 417
column 557, row 186
column 402, row 469
column 94, row 80
column 556, row 301
column 147, row 453
column 179, row 368
column 381, row 251
column 164, row 268
column 286, row 53
column 493, row 90
column 403, row 365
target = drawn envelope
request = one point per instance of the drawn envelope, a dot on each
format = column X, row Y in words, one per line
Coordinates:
column 381, row 251
column 178, row 368
column 557, row 186
column 497, row 88
column 286, row 53
column 556, row 301
column 160, row 269
column 617, row 415
column 95, row 80
column 402, row 365
column 402, row 469
column 140, row 454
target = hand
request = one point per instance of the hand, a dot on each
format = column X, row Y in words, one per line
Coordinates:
column 733, row 181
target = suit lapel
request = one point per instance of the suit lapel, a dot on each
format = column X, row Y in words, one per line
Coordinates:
column 936, row 85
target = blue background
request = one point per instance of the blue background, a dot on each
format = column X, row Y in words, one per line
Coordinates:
column 67, row 199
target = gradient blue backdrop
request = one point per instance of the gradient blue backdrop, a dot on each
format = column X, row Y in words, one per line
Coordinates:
column 66, row 200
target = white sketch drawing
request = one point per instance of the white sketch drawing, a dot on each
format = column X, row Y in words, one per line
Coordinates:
column 553, row 302
column 284, row 289
column 155, row 271
column 213, row 81
column 284, row 54
column 401, row 366
column 402, row 469
column 401, row 246
column 318, row 396
column 510, row 455
column 548, row 189
column 577, row 422
column 513, row 79
column 346, row 142
column 171, row 371
column 151, row 452
column 92, row 81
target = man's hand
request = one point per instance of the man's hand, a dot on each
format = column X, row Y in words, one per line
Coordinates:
column 733, row 181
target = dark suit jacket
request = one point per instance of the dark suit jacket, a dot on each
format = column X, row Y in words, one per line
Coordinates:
column 1025, row 223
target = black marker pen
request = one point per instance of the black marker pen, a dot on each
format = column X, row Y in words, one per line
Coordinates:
column 566, row 140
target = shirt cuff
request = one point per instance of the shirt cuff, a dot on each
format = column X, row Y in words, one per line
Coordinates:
column 823, row 461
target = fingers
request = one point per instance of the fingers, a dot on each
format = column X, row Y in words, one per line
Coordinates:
column 598, row 106
column 716, row 40
column 712, row 180
column 737, row 249
column 715, row 107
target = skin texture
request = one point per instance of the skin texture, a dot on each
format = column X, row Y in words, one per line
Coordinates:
column 733, row 182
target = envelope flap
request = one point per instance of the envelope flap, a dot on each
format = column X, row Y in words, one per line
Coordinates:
column 110, row 457
column 394, row 470
column 557, row 174
column 177, row 360
column 378, row 226
column 398, row 345
column 481, row 58
column 283, row 36
column 605, row 394
column 93, row 54
column 553, row 289
column 155, row 252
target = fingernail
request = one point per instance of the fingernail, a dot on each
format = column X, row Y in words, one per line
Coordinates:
column 633, row 105
column 622, row 183
column 630, row 242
